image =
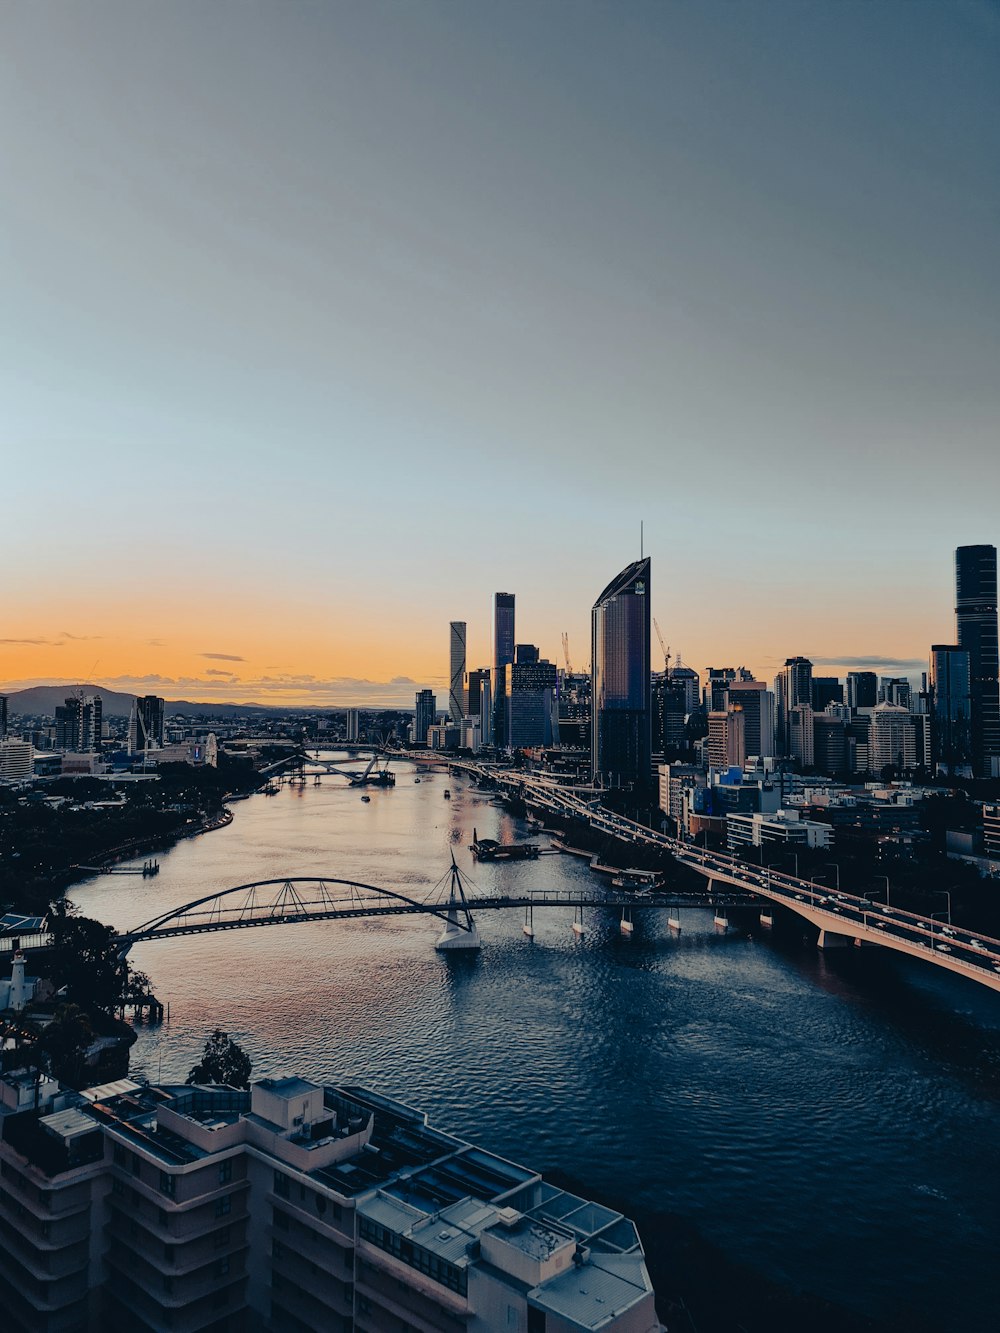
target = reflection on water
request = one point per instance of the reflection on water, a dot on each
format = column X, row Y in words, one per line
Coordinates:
column 830, row 1120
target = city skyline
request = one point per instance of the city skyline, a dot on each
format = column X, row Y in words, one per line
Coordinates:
column 511, row 260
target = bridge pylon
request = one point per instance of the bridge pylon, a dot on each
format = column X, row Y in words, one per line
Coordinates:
column 460, row 929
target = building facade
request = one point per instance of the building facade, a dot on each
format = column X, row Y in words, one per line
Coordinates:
column 424, row 716
column 503, row 656
column 531, row 703
column 145, row 724
column 458, row 691
column 289, row 1207
column 757, row 703
column 976, row 616
column 621, row 742
column 951, row 710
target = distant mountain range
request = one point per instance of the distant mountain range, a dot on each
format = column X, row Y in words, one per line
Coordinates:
column 42, row 701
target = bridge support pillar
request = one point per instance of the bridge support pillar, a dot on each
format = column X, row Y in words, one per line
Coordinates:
column 831, row 939
column 458, row 935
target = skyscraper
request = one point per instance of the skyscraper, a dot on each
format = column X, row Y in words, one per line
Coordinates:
column 793, row 687
column 145, row 724
column 620, row 624
column 3, row 717
column 458, row 694
column 530, row 691
column 757, row 703
column 79, row 723
column 425, row 715
column 862, row 689
column 503, row 655
column 951, row 739
column 976, row 614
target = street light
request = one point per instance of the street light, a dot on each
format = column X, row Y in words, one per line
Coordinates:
column 836, row 867
column 947, row 894
column 886, row 878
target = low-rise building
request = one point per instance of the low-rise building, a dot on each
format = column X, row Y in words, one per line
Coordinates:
column 784, row 826
column 289, row 1207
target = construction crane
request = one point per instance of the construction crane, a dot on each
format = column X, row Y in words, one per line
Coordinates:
column 565, row 639
column 665, row 650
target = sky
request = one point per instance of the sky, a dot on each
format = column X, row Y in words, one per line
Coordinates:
column 321, row 322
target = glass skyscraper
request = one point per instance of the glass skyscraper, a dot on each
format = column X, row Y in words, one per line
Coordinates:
column 458, row 693
column 503, row 655
column 976, row 614
column 620, row 734
column 950, row 682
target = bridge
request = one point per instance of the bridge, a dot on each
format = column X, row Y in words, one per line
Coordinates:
column 296, row 900
column 842, row 919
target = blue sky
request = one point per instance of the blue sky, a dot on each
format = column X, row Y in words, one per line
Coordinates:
column 324, row 321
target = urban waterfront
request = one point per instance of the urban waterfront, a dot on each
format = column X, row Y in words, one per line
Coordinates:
column 828, row 1120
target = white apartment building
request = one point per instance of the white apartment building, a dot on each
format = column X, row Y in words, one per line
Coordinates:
column 16, row 760
column 289, row 1207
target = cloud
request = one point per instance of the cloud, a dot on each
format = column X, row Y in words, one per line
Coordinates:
column 80, row 638
column 36, row 643
column 874, row 660
column 223, row 657
column 211, row 671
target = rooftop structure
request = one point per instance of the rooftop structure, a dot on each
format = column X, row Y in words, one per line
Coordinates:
column 293, row 1205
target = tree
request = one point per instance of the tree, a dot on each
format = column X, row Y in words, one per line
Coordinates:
column 222, row 1061
column 65, row 1041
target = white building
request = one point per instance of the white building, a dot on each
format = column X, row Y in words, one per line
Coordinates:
column 291, row 1206
column 16, row 760
column 784, row 826
column 353, row 724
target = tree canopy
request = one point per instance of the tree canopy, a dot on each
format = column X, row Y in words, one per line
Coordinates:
column 223, row 1061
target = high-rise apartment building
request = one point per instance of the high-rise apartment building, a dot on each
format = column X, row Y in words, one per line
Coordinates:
column 895, row 739
column 862, row 689
column 757, row 703
column 801, row 740
column 145, row 724
column 503, row 655
column 292, row 1206
column 726, row 739
column 3, row 717
column 79, row 724
column 620, row 685
column 458, row 693
column 352, row 724
column 896, row 690
column 951, row 710
column 425, row 715
column 976, row 615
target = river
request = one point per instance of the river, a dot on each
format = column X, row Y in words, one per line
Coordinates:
column 829, row 1120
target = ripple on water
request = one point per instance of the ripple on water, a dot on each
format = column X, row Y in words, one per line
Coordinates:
column 812, row 1115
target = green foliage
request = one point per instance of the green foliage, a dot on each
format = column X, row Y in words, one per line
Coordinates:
column 85, row 960
column 223, row 1061
column 65, row 1040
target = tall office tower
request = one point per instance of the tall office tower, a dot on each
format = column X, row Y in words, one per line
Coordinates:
column 619, row 672
column 425, row 715
column 951, row 691
column 145, row 724
column 862, row 689
column 757, row 703
column 795, row 689
column 458, row 693
column 526, row 652
column 530, row 692
column 79, row 724
column 503, row 655
column 727, row 738
column 574, row 710
column 353, row 724
column 3, row 717
column 826, row 690
column 976, row 614
column 669, row 702
column 801, row 742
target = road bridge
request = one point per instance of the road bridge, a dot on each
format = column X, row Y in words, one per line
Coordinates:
column 841, row 918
